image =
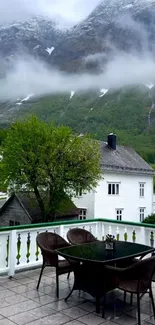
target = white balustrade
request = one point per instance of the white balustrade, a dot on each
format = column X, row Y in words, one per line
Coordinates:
column 18, row 249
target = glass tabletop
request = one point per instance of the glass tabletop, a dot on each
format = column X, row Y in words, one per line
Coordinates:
column 96, row 252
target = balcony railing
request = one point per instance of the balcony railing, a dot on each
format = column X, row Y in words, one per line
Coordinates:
column 18, row 249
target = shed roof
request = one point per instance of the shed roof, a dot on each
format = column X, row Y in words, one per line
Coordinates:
column 29, row 203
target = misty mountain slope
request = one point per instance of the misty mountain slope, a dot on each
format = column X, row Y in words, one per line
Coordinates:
column 114, row 25
column 124, row 112
column 37, row 37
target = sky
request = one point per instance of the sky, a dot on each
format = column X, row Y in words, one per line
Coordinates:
column 65, row 12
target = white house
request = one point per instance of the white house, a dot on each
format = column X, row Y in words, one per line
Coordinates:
column 126, row 192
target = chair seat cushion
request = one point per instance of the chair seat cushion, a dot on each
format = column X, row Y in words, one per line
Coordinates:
column 64, row 266
column 128, row 285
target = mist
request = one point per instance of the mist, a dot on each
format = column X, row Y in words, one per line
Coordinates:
column 30, row 76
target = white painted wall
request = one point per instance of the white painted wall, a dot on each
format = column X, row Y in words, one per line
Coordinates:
column 153, row 203
column 86, row 201
column 128, row 198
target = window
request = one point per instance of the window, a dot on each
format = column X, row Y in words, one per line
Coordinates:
column 142, row 214
column 11, row 223
column 119, row 213
column 141, row 189
column 79, row 192
column 82, row 214
column 113, row 189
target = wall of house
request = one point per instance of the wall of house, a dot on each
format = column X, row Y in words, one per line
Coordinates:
column 86, row 201
column 14, row 212
column 128, row 199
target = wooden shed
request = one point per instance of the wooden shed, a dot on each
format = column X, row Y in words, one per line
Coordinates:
column 22, row 208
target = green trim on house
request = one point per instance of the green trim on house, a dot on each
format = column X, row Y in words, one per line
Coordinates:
column 59, row 223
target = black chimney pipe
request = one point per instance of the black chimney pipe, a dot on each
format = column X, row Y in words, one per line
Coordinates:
column 112, row 141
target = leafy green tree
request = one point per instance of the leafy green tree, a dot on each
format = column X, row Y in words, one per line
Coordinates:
column 49, row 160
column 150, row 219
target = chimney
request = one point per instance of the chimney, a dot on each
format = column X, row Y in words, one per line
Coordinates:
column 112, row 141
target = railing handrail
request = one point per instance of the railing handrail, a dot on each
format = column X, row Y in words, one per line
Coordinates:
column 59, row 223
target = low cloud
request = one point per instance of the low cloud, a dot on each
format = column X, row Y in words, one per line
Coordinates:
column 65, row 12
column 29, row 76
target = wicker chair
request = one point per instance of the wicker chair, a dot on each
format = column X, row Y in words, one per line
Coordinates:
column 78, row 236
column 48, row 242
column 135, row 279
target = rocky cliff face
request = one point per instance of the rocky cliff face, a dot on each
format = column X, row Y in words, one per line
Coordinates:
column 114, row 25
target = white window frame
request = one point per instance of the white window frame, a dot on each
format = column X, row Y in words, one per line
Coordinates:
column 82, row 214
column 113, row 188
column 79, row 192
column 119, row 214
column 141, row 189
column 142, row 213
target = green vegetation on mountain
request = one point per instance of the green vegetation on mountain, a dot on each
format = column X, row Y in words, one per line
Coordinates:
column 125, row 112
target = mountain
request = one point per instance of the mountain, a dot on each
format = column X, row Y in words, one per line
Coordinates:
column 115, row 26
column 129, row 112
column 36, row 37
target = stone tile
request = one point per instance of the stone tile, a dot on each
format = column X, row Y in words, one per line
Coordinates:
column 57, row 319
column 75, row 322
column 6, row 293
column 134, row 313
column 146, row 308
column 125, row 319
column 38, row 322
column 26, row 281
column 18, row 308
column 89, row 306
column 20, row 289
column 6, row 321
column 23, row 318
column 45, row 299
column 32, row 294
column 10, row 284
column 74, row 312
column 15, row 299
column 91, row 319
column 61, row 305
column 150, row 320
column 42, row 311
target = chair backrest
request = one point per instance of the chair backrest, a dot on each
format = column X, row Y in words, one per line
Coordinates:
column 77, row 236
column 143, row 272
column 50, row 240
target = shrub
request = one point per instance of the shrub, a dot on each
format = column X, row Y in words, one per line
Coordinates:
column 150, row 219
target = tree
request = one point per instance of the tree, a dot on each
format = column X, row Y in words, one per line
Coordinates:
column 49, row 160
column 150, row 219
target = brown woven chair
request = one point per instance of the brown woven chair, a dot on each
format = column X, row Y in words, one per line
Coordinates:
column 78, row 236
column 136, row 279
column 48, row 242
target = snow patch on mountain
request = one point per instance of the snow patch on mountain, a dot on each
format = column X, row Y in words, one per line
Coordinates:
column 103, row 91
column 72, row 94
column 27, row 98
column 150, row 86
column 50, row 50
column 37, row 47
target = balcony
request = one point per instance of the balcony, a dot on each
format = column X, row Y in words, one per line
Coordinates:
column 21, row 303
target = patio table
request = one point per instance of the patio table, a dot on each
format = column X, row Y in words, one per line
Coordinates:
column 90, row 274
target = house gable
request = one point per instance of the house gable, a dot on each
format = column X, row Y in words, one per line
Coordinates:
column 14, row 211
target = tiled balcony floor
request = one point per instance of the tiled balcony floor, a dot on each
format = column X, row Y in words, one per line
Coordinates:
column 21, row 303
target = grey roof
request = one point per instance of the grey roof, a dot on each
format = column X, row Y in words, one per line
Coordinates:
column 123, row 159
